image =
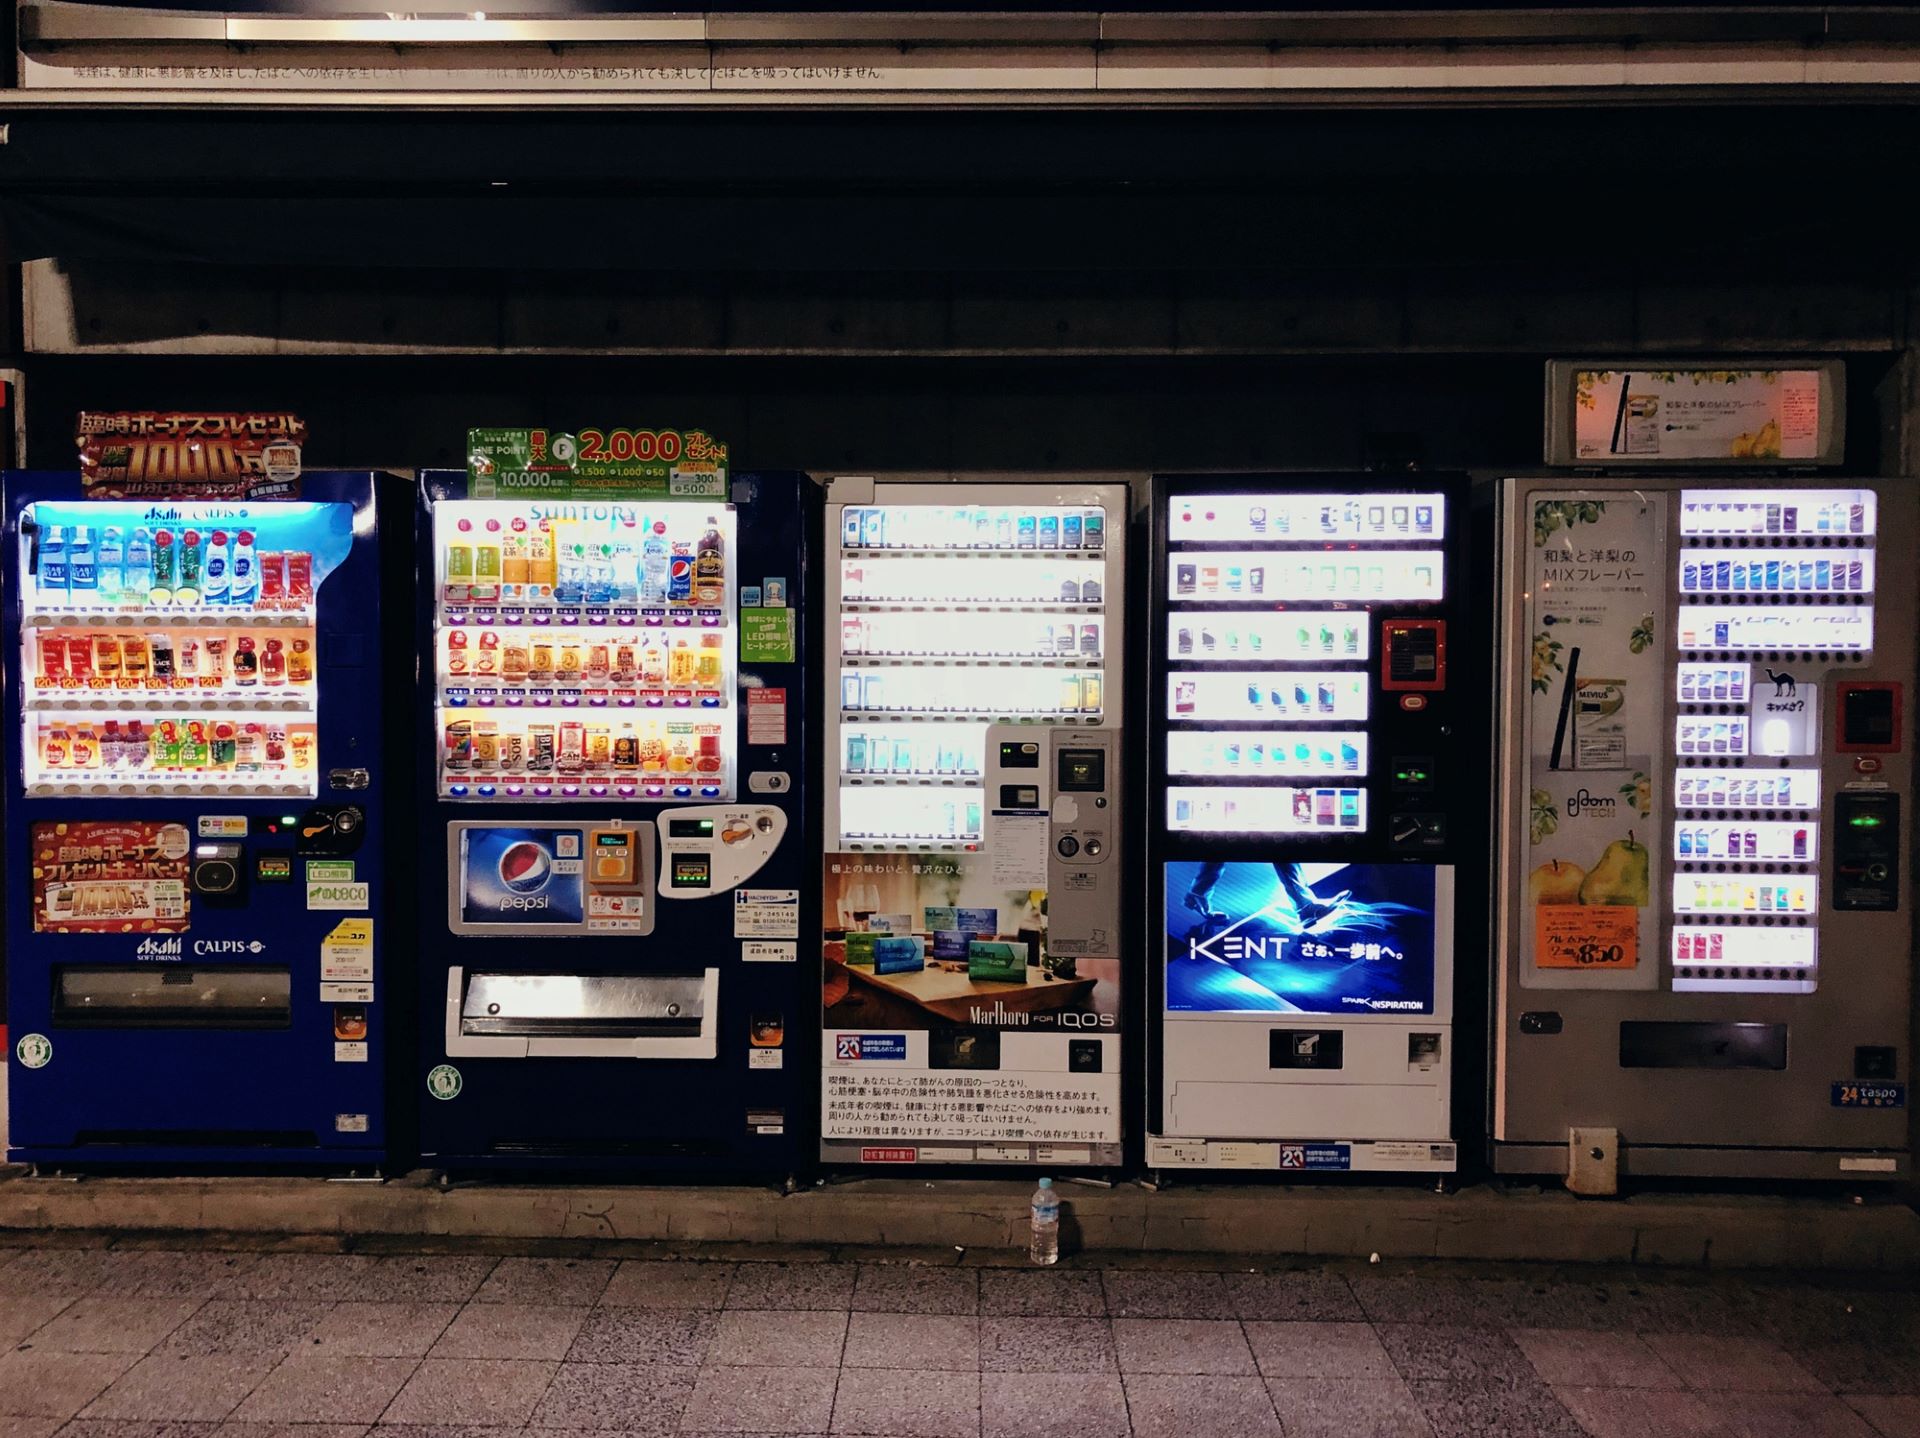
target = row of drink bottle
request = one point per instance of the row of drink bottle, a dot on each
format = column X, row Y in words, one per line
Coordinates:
column 652, row 661
column 76, row 563
column 973, row 527
column 945, row 691
column 178, row 746
column 1696, row 843
column 487, row 746
column 1773, row 576
column 1710, row 896
column 159, row 661
column 542, row 562
column 1754, row 791
column 1328, row 645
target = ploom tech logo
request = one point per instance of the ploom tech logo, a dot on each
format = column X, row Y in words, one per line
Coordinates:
column 158, row 948
column 864, row 1048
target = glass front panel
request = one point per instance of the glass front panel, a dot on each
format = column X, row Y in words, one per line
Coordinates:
column 172, row 648
column 953, row 617
column 584, row 650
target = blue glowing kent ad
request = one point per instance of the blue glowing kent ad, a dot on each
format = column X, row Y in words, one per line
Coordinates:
column 1300, row 938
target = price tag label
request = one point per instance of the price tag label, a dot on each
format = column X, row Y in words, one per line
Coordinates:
column 1586, row 936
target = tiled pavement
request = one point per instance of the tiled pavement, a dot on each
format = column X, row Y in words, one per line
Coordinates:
column 127, row 1343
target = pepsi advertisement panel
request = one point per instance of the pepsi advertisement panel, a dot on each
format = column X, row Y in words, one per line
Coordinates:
column 523, row 876
column 1315, row 938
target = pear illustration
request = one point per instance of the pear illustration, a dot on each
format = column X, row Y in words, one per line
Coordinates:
column 1555, row 882
column 1621, row 875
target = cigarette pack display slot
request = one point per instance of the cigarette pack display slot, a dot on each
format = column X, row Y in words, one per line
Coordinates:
column 1015, row 694
column 1371, row 518
column 911, row 815
column 1306, row 694
column 1714, row 683
column 994, row 582
column 1837, row 629
column 1275, row 753
column 1758, row 960
column 1238, row 576
column 1223, row 809
column 1778, row 513
column 966, row 531
column 1756, row 572
column 1012, row 639
column 1751, row 895
column 1760, row 841
column 1747, row 789
column 1309, row 635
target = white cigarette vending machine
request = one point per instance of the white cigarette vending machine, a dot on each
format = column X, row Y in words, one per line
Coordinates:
column 971, row 945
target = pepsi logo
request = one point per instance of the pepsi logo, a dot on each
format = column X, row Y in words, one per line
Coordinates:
column 526, row 867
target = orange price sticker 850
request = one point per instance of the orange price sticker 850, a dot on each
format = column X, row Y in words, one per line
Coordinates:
column 1586, row 936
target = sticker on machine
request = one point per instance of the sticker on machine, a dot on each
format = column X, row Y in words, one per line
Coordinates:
column 444, row 1082
column 110, row 877
column 350, row 1052
column 766, row 913
column 765, row 1058
column 346, row 993
column 351, row 897
column 1869, row 1095
column 350, row 1123
column 346, row 954
column 1315, row 1157
column 770, row 951
column 766, row 716
column 221, row 826
column 35, row 1051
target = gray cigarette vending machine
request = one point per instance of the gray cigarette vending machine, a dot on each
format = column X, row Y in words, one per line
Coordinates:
column 1704, row 917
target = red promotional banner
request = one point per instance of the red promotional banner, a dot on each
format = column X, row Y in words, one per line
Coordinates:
column 190, row 454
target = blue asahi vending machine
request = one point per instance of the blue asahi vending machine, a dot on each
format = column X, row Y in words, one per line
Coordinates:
column 194, row 826
column 615, row 840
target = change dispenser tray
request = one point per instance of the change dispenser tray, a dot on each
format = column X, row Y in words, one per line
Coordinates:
column 522, row 1015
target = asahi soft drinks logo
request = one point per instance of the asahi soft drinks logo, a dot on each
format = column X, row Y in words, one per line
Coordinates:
column 158, row 949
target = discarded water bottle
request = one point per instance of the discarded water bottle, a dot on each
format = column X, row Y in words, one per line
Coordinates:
column 1043, row 1244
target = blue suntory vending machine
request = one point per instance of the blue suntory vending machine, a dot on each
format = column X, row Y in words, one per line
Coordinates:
column 615, row 840
column 1312, row 794
column 195, row 776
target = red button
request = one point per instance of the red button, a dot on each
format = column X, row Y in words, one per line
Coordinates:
column 1413, row 701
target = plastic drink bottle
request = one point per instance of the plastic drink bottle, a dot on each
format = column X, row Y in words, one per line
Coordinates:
column 83, row 572
column 1043, row 1241
column 52, row 573
column 216, row 570
column 244, row 587
column 111, row 562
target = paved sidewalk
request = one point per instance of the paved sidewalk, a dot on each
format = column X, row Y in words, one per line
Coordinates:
column 123, row 1341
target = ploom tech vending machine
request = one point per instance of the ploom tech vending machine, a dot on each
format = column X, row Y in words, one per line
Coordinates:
column 615, row 852
column 1310, row 794
column 1705, row 794
column 195, row 846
